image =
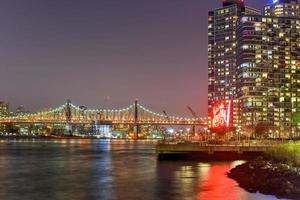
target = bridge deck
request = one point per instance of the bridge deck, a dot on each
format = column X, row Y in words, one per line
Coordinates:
column 179, row 123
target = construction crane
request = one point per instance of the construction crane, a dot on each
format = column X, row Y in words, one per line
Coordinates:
column 192, row 111
column 165, row 113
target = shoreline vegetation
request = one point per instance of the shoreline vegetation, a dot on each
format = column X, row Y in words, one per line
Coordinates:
column 277, row 172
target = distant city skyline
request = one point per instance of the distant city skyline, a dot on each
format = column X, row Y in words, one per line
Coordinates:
column 155, row 51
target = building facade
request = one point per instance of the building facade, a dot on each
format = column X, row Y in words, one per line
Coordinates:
column 267, row 71
column 4, row 112
column 4, row 109
column 283, row 8
column 222, row 48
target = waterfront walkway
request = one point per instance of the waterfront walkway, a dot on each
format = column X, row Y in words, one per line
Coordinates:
column 205, row 150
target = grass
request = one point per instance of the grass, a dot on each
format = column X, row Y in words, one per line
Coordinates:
column 285, row 153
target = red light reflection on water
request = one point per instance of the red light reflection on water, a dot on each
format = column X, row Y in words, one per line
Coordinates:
column 216, row 185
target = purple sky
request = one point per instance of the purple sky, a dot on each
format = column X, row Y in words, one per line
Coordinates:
column 86, row 50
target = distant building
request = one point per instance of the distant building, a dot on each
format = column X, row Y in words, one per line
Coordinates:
column 4, row 109
column 4, row 112
column 21, row 110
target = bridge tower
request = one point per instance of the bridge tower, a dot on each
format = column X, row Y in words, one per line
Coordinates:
column 68, row 114
column 136, row 127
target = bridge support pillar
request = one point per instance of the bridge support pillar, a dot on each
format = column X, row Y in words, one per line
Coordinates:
column 136, row 127
column 68, row 114
column 69, row 130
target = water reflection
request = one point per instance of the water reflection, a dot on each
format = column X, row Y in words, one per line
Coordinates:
column 101, row 169
column 215, row 184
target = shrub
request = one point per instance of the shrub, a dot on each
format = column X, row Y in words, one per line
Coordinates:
column 286, row 153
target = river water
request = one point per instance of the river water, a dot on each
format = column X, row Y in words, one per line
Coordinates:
column 109, row 170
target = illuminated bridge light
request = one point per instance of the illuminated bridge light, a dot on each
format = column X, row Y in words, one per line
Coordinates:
column 117, row 116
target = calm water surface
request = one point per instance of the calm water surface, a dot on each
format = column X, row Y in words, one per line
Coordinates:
column 104, row 170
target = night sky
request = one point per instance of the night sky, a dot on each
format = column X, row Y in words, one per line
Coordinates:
column 87, row 50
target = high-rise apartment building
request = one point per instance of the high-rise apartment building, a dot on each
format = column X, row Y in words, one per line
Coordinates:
column 268, row 71
column 264, row 80
column 222, row 51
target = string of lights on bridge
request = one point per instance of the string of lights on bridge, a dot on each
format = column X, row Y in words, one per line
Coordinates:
column 96, row 111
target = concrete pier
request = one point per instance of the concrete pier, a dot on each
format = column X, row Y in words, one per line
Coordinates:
column 208, row 152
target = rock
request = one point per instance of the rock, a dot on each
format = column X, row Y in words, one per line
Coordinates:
column 268, row 177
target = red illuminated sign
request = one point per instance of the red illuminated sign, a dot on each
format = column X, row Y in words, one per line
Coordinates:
column 221, row 115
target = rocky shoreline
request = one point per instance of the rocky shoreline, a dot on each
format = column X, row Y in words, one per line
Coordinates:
column 268, row 177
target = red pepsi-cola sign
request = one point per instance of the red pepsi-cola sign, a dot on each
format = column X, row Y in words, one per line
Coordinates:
column 221, row 116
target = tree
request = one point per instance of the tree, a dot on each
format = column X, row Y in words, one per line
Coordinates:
column 262, row 129
column 296, row 118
